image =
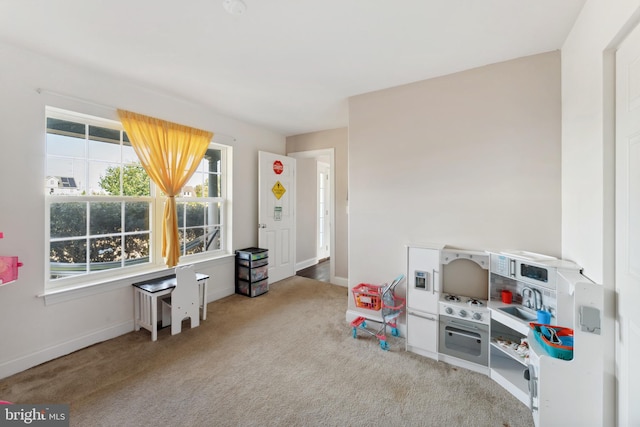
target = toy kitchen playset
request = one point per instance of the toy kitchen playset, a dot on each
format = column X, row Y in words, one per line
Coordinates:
column 447, row 314
column 529, row 321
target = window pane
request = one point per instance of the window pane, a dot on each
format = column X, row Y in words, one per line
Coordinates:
column 136, row 216
column 212, row 159
column 195, row 214
column 64, row 127
column 195, row 185
column 180, row 207
column 68, row 219
column 104, row 178
column 67, row 258
column 214, row 186
column 136, row 181
column 104, row 134
column 106, row 253
column 60, row 145
column 129, row 155
column 137, row 248
column 203, row 190
column 65, row 176
column 65, row 166
column 106, row 151
column 194, row 240
column 213, row 213
column 199, row 239
column 106, row 218
column 212, row 240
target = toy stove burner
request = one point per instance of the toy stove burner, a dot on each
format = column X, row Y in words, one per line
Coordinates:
column 468, row 308
column 475, row 302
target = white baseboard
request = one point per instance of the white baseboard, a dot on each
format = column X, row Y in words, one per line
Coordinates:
column 342, row 281
column 424, row 353
column 306, row 263
column 20, row 364
column 464, row 364
column 220, row 293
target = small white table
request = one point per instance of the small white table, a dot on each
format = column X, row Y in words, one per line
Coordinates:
column 145, row 300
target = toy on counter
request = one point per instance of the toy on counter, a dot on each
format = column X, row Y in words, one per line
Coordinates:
column 8, row 267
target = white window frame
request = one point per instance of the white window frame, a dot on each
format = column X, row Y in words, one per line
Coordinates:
column 156, row 200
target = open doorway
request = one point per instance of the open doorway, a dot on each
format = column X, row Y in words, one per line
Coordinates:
column 323, row 228
column 315, row 216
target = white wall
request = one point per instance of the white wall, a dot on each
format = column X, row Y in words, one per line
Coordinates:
column 588, row 154
column 470, row 160
column 306, row 212
column 587, row 144
column 33, row 332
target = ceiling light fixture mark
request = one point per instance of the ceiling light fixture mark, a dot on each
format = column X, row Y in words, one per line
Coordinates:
column 234, row 7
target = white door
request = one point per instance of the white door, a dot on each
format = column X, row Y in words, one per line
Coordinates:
column 276, row 216
column 324, row 223
column 628, row 228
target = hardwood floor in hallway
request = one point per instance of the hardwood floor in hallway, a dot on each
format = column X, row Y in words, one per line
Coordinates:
column 320, row 271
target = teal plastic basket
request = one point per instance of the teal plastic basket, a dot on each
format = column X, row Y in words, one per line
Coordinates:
column 562, row 350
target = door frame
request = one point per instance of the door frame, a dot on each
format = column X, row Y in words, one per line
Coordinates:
column 315, row 154
column 327, row 203
column 622, row 362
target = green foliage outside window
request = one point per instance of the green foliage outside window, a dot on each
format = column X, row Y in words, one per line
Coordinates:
column 136, row 181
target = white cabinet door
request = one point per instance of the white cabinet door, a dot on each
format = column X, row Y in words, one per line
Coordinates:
column 422, row 333
column 423, row 279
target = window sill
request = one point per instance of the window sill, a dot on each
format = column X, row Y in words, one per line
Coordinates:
column 72, row 292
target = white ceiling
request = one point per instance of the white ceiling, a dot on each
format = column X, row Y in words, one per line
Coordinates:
column 288, row 65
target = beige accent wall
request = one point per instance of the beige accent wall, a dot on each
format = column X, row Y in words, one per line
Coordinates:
column 471, row 160
column 338, row 140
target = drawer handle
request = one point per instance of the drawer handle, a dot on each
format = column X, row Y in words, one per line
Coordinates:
column 422, row 317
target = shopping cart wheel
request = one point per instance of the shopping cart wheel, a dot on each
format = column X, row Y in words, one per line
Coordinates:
column 384, row 345
column 395, row 332
column 355, row 332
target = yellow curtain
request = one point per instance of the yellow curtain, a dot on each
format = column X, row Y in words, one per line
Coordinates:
column 170, row 153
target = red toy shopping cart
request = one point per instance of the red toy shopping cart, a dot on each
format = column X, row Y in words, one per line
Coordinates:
column 378, row 297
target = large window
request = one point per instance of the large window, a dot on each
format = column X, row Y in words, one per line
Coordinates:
column 103, row 210
column 201, row 208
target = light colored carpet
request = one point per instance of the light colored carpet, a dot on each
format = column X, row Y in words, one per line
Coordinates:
column 286, row 358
